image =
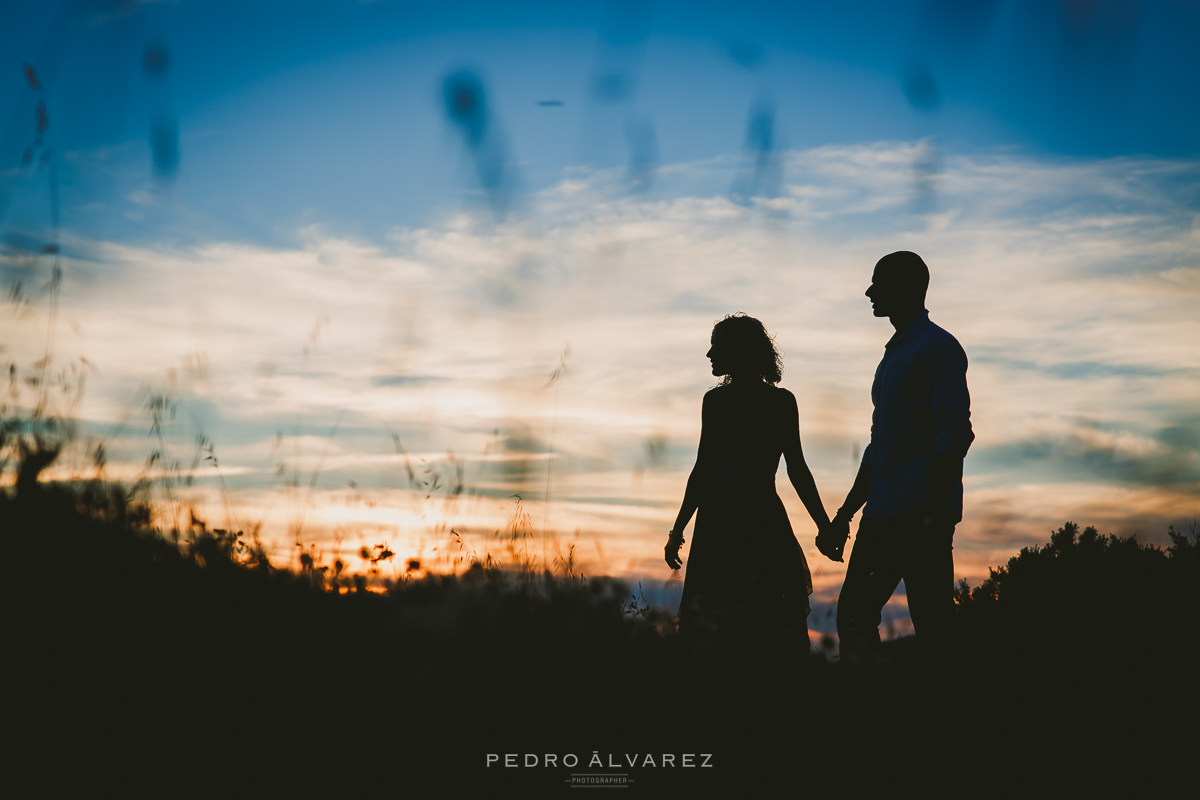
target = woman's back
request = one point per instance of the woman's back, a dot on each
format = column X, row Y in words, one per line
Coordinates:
column 745, row 569
column 744, row 433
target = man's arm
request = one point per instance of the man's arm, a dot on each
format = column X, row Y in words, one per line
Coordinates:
column 857, row 496
column 832, row 540
column 945, row 375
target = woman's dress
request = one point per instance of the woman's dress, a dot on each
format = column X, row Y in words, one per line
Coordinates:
column 745, row 567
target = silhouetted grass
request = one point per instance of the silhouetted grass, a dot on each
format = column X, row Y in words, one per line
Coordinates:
column 153, row 655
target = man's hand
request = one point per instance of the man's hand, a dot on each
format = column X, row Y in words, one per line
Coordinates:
column 939, row 517
column 831, row 541
column 671, row 551
column 945, row 475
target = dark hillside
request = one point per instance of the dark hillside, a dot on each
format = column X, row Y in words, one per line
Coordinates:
column 148, row 658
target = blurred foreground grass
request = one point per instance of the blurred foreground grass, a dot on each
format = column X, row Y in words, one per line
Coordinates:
column 185, row 659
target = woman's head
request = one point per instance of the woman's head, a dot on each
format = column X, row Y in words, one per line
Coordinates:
column 742, row 349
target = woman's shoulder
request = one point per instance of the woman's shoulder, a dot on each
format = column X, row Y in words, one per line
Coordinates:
column 763, row 394
column 715, row 395
column 783, row 397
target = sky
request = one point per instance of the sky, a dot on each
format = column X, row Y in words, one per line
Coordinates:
column 366, row 273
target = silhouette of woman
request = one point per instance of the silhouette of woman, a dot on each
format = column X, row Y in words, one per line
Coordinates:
column 745, row 568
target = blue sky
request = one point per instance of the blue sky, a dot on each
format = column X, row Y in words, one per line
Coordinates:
column 284, row 226
column 331, row 111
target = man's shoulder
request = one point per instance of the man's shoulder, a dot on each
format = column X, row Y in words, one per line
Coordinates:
column 937, row 342
column 932, row 332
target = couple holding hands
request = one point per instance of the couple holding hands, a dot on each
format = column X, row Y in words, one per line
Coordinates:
column 745, row 567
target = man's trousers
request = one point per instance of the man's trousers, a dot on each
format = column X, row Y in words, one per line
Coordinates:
column 916, row 547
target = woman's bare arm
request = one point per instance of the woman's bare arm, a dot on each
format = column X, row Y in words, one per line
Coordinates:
column 691, row 496
column 691, row 500
column 797, row 469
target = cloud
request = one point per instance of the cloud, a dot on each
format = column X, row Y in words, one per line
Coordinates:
column 1089, row 450
column 1071, row 284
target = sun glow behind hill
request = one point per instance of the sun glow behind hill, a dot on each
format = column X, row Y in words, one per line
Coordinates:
column 561, row 351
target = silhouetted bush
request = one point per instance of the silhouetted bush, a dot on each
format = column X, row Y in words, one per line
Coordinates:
column 1086, row 596
column 190, row 649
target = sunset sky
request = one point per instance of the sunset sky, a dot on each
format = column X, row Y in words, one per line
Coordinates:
column 489, row 241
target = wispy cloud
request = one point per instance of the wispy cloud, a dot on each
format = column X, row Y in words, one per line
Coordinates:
column 1071, row 284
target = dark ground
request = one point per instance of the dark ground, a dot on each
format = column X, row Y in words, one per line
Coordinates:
column 150, row 666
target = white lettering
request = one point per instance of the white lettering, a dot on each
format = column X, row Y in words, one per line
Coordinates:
column 631, row 761
column 596, row 762
column 687, row 760
column 649, row 760
column 492, row 757
column 551, row 760
column 668, row 757
column 510, row 759
column 707, row 757
column 611, row 765
column 529, row 756
column 574, row 760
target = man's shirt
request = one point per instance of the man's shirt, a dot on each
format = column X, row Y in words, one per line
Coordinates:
column 921, row 407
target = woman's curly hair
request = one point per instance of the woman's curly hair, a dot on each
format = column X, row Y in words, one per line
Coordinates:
column 751, row 350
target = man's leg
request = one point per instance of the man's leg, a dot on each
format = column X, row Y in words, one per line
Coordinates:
column 929, row 583
column 872, row 575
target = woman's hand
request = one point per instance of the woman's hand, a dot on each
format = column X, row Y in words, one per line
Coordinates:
column 671, row 551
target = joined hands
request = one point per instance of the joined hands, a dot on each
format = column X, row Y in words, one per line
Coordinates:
column 831, row 540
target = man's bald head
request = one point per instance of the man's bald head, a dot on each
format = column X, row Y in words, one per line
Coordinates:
column 904, row 270
column 898, row 287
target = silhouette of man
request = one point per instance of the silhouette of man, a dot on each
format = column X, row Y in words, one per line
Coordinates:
column 911, row 472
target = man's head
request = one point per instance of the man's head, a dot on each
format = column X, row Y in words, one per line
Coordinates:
column 898, row 285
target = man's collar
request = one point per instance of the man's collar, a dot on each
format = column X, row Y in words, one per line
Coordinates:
column 910, row 330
